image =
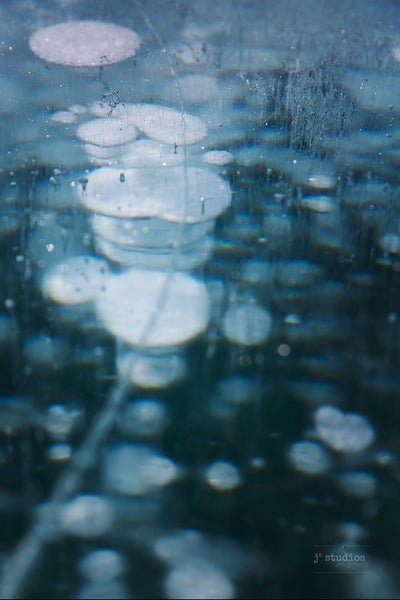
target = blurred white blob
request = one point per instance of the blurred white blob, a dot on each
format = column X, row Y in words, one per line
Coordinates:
column 103, row 590
column 247, row 323
column 196, row 578
column 153, row 308
column 223, row 476
column 188, row 195
column 64, row 116
column 390, row 243
column 358, row 483
column 158, row 122
column 136, row 470
column 60, row 420
column 217, row 157
column 43, row 350
column 374, row 582
column 150, row 153
column 346, row 432
column 308, row 457
column 87, row 516
column 143, row 418
column 106, row 132
column 151, row 371
column 84, row 43
column 75, row 280
column 102, row 565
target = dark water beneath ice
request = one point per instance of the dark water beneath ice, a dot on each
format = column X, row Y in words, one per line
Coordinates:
column 199, row 343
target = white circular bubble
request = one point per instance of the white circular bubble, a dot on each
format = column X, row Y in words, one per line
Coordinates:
column 308, row 457
column 162, row 123
column 64, row 116
column 223, row 475
column 177, row 194
column 151, row 153
column 217, row 157
column 87, row 516
column 153, row 308
column 102, row 565
column 136, row 470
column 84, row 43
column 247, row 323
column 148, row 371
column 76, row 280
column 144, row 418
column 196, row 578
column 107, row 131
column 346, row 432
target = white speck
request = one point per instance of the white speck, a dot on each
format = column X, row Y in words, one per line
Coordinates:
column 223, row 476
column 308, row 457
column 84, row 43
column 284, row 350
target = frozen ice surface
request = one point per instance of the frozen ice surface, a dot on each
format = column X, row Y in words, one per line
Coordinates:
column 308, row 457
column 107, row 131
column 153, row 309
column 247, row 323
column 84, row 43
column 198, row 579
column 347, row 432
